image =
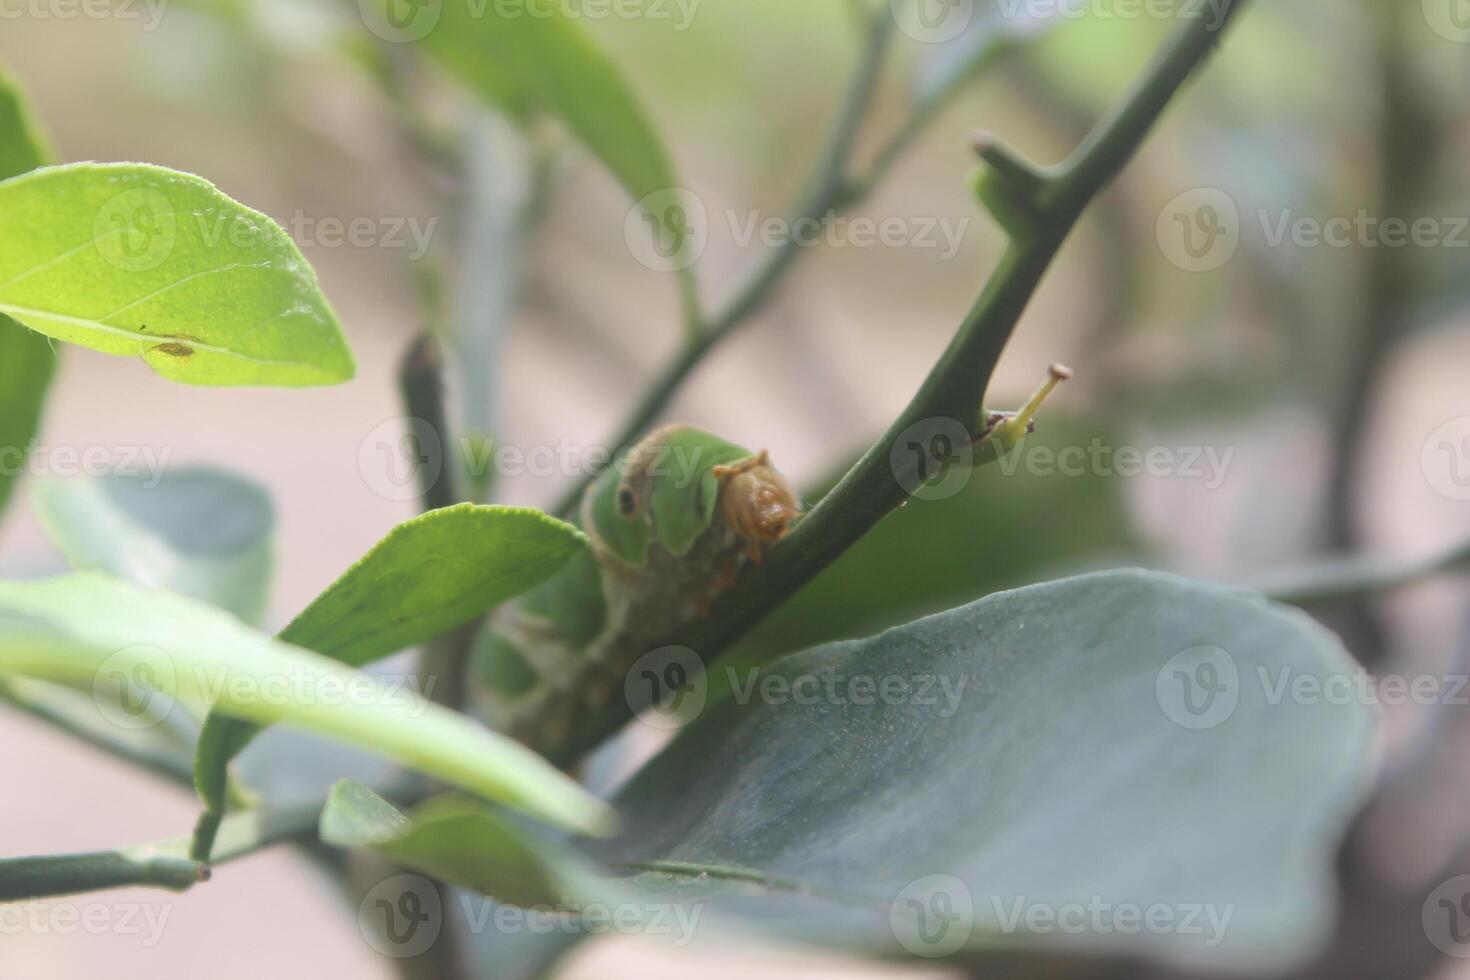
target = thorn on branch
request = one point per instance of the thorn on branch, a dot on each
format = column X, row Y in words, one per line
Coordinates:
column 1010, row 186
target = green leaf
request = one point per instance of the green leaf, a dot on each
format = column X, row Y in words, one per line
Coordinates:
column 529, row 54
column 426, row 577
column 200, row 532
column 431, row 574
column 23, row 145
column 1060, row 767
column 142, row 261
column 27, row 362
column 460, row 842
column 128, row 644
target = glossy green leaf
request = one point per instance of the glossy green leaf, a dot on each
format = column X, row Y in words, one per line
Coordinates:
column 200, row 532
column 1117, row 740
column 147, row 262
column 460, row 842
column 530, row 55
column 143, row 651
column 26, row 359
column 426, row 577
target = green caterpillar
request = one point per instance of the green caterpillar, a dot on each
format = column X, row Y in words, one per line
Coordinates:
column 670, row 526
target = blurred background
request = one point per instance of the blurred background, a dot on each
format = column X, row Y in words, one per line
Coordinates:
column 1241, row 303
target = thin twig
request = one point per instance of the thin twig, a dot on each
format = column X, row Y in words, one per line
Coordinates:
column 1356, row 577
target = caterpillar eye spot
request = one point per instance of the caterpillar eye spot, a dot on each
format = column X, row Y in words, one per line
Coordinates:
column 174, row 349
column 627, row 504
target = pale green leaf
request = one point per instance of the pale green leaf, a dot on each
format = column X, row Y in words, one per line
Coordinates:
column 1037, row 749
column 460, row 842
column 427, row 576
column 149, row 650
column 199, row 532
column 142, row 261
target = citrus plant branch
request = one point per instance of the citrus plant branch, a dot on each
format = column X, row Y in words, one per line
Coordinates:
column 1038, row 207
column 164, row 865
column 1359, row 576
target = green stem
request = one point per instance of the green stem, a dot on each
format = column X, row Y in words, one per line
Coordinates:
column 1356, row 577
column 956, row 386
column 23, row 879
column 163, row 865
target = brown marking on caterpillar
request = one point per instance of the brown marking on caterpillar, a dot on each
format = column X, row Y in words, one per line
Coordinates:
column 173, row 349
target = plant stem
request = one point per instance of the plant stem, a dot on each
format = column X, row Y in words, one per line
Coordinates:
column 1406, row 147
column 1050, row 201
column 163, row 865
column 1357, row 577
column 27, row 878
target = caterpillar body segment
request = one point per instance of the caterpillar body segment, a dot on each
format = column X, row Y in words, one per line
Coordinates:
column 670, row 526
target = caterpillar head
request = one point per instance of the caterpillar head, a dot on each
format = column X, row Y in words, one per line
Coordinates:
column 756, row 502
